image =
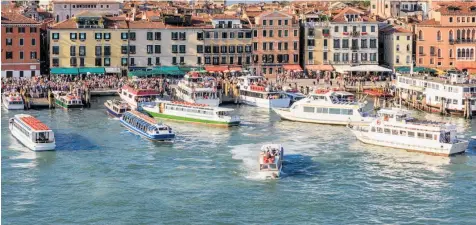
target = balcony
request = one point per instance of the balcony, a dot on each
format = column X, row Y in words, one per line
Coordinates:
column 310, row 47
column 326, row 48
column 354, row 63
column 461, row 41
column 355, row 34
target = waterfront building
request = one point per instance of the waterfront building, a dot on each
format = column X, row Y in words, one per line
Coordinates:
column 20, row 46
column 275, row 43
column 449, row 39
column 174, row 41
column 396, row 44
column 354, row 42
column 228, row 42
column 90, row 42
column 316, row 39
column 66, row 9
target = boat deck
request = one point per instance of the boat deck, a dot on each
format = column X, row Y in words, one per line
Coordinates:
column 34, row 123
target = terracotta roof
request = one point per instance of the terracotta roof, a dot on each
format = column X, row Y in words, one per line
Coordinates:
column 392, row 29
column 145, row 24
column 15, row 18
column 109, row 23
column 340, row 17
column 152, row 13
column 253, row 9
column 274, row 14
column 458, row 8
column 431, row 22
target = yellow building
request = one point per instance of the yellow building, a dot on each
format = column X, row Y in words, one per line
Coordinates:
column 89, row 43
column 397, row 46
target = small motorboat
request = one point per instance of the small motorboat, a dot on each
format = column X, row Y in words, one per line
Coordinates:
column 116, row 107
column 271, row 160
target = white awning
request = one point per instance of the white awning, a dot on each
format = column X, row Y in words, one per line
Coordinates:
column 112, row 70
column 369, row 68
column 341, row 68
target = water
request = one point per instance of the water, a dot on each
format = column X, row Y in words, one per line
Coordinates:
column 103, row 174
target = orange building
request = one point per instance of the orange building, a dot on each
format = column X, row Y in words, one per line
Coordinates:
column 448, row 40
column 275, row 43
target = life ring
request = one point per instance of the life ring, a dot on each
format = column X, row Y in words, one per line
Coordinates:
column 378, row 122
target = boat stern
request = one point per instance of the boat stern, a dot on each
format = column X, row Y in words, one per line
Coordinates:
column 44, row 147
column 458, row 147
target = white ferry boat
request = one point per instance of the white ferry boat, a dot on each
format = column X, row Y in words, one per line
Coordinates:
column 394, row 128
column 67, row 100
column 453, row 93
column 136, row 97
column 196, row 89
column 147, row 127
column 116, row 107
column 271, row 160
column 193, row 113
column 32, row 133
column 294, row 96
column 13, row 101
column 326, row 107
column 251, row 93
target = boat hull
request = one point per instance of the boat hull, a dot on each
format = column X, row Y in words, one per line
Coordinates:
column 271, row 174
column 112, row 113
column 31, row 145
column 439, row 149
column 208, row 102
column 287, row 115
column 12, row 107
column 63, row 105
column 158, row 137
column 192, row 120
column 265, row 103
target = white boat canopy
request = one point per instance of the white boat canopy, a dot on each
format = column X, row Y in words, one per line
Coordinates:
column 362, row 68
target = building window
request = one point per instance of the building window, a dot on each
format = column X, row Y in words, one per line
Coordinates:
column 107, row 50
column 72, row 61
column 32, row 29
column 82, row 50
column 9, row 55
column 9, row 41
column 373, row 43
column 438, row 36
column 182, row 48
column 33, row 41
column 398, row 48
column 72, row 50
column 82, row 36
column 337, row 43
column 420, row 35
column 124, row 61
column 264, row 33
column 149, row 61
column 124, row 35
column 107, row 36
column 174, row 60
column 132, row 36
column 55, row 50
column 98, row 51
column 150, row 36
column 21, row 30
column 295, row 45
column 133, row 62
column 199, row 48
column 132, row 49
column 451, row 19
column 150, row 49
column 158, row 36
column 98, row 62
column 72, row 36
column 397, row 60
column 124, row 49
column 264, row 22
column 98, row 36
column 9, row 30
column 55, row 36
column 157, row 60
column 295, row 33
column 157, row 49
column 174, row 49
column 408, row 59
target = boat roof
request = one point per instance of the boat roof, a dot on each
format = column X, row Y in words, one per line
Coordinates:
column 32, row 122
column 394, row 111
column 343, row 93
column 142, row 116
column 194, row 105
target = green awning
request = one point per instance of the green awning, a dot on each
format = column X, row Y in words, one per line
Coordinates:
column 158, row 71
column 192, row 68
column 64, row 70
column 406, row 69
column 92, row 70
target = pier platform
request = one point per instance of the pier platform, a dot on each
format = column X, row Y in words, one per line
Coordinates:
column 105, row 92
column 39, row 103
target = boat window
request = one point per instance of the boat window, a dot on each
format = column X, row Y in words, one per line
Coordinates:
column 318, row 110
column 122, row 110
column 272, row 166
column 420, row 135
column 403, row 133
column 411, row 134
column 379, row 129
column 346, row 111
column 373, row 129
column 325, row 110
column 386, row 130
column 264, row 167
column 334, row 111
column 308, row 109
column 394, row 132
column 428, row 136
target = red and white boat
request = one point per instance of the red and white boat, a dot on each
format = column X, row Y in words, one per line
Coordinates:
column 136, row 97
column 13, row 101
column 32, row 133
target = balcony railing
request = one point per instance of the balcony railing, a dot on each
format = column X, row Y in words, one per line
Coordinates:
column 355, row 47
column 310, row 47
column 462, row 41
column 355, row 33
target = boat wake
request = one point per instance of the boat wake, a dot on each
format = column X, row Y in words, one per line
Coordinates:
column 248, row 154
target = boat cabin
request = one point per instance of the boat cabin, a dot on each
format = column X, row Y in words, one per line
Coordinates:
column 144, row 123
column 33, row 128
column 271, row 158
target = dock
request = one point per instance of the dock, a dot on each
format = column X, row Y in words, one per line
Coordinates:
column 106, row 92
column 39, row 103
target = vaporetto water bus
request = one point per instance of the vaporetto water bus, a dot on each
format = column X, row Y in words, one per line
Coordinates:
column 67, row 100
column 116, row 107
column 194, row 88
column 253, row 93
column 12, row 101
column 135, row 97
column 194, row 113
column 32, row 133
column 271, row 160
column 326, row 107
column 395, row 128
column 147, row 127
